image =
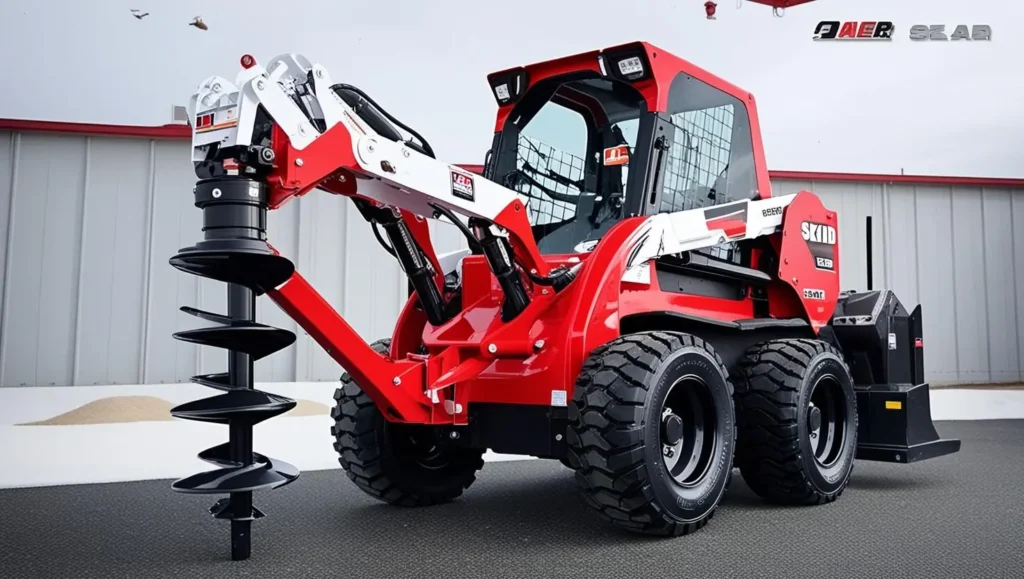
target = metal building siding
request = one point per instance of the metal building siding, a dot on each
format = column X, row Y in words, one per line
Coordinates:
column 41, row 281
column 87, row 224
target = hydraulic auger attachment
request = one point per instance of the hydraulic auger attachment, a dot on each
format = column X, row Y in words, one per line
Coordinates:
column 235, row 251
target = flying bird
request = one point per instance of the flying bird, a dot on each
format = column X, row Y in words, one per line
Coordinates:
column 198, row 23
column 139, row 14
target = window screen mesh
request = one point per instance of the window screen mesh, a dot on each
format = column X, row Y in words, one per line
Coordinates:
column 541, row 157
column 698, row 165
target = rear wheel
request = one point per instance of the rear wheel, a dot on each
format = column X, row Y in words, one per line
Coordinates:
column 797, row 418
column 651, row 432
column 401, row 464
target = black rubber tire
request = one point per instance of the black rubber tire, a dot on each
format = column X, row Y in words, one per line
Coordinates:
column 775, row 457
column 614, row 433
column 365, row 442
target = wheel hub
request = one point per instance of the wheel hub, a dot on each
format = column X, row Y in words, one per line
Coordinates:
column 688, row 431
column 814, row 418
column 671, row 429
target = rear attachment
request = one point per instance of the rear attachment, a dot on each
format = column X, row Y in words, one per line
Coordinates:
column 883, row 344
column 234, row 251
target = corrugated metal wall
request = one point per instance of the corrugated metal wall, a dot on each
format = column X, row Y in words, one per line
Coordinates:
column 87, row 225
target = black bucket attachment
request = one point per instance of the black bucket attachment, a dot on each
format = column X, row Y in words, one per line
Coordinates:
column 896, row 425
column 884, row 347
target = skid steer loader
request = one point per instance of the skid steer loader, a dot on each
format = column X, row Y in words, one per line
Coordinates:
column 633, row 300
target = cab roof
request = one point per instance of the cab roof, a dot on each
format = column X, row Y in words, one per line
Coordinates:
column 646, row 67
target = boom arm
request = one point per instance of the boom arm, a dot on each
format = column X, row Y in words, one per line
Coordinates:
column 320, row 141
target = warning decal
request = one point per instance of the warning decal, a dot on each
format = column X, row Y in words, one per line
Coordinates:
column 614, row 156
column 462, row 186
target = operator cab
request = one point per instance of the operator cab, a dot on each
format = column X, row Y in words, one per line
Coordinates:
column 593, row 138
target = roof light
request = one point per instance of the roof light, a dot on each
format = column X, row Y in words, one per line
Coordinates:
column 508, row 86
column 628, row 63
column 248, row 61
column 630, row 66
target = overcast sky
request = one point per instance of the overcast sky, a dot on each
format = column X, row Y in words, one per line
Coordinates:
column 925, row 107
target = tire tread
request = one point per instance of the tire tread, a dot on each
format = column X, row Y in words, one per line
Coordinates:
column 768, row 381
column 362, row 455
column 605, row 434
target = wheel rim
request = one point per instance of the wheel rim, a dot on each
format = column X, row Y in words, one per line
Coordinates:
column 826, row 420
column 420, row 447
column 688, row 431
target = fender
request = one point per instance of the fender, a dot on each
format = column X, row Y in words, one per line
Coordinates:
column 594, row 320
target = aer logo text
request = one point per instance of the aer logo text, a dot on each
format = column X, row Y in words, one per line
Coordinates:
column 866, row 30
column 818, row 233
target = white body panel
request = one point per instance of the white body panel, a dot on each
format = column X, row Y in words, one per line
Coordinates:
column 671, row 233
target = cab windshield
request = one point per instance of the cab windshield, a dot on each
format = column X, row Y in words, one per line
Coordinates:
column 567, row 150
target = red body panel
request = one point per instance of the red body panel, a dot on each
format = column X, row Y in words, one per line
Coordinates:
column 797, row 266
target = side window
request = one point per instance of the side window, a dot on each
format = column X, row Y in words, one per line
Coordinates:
column 552, row 150
column 711, row 159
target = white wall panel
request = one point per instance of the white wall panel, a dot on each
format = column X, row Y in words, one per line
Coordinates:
column 87, row 225
column 935, row 274
column 41, row 275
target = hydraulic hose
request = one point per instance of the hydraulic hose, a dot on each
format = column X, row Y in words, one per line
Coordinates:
column 427, row 149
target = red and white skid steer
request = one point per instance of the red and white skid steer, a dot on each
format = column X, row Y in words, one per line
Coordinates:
column 632, row 299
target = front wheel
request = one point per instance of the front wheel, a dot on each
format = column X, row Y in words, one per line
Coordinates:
column 651, row 432
column 401, row 464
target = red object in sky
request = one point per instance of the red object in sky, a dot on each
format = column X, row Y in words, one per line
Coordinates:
column 710, row 7
column 777, row 4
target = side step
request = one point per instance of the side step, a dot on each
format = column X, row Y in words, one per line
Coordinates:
column 895, row 425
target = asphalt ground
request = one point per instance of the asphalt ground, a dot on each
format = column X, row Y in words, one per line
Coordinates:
column 950, row 517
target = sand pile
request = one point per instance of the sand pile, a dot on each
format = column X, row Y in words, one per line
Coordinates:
column 308, row 408
column 113, row 410
column 121, row 409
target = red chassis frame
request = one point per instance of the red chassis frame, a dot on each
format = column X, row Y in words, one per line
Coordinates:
column 475, row 357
